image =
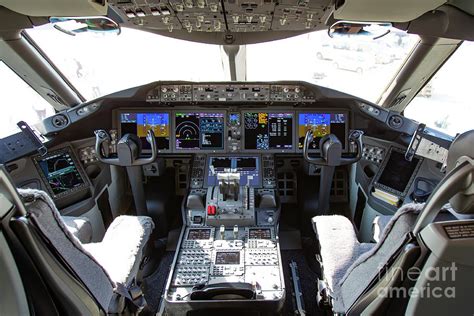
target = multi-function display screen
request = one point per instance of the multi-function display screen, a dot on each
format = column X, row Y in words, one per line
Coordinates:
column 268, row 131
column 199, row 131
column 140, row 123
column 322, row 124
column 398, row 171
column 60, row 172
column 196, row 234
column 247, row 167
column 227, row 257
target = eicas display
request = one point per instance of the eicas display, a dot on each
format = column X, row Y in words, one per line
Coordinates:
column 268, row 131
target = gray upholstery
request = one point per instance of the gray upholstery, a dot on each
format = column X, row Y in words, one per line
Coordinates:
column 339, row 246
column 349, row 272
column 100, row 275
column 80, row 227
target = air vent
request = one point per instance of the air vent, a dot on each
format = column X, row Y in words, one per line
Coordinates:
column 59, row 121
column 395, row 121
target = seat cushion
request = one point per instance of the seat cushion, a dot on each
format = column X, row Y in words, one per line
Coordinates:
column 80, row 227
column 120, row 252
column 339, row 246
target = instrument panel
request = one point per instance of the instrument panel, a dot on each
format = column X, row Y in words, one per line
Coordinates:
column 220, row 131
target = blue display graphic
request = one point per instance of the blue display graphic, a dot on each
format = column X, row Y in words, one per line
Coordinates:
column 139, row 124
column 247, row 167
column 321, row 124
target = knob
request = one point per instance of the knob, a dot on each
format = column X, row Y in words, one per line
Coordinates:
column 270, row 219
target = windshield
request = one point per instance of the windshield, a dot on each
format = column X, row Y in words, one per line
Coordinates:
column 101, row 64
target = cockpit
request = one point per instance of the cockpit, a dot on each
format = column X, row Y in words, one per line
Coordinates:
column 247, row 165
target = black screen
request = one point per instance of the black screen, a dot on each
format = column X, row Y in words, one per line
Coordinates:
column 140, row 123
column 321, row 124
column 199, row 131
column 60, row 172
column 268, row 130
column 398, row 171
column 228, row 257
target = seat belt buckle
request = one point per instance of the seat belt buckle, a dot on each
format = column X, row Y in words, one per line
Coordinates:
column 135, row 292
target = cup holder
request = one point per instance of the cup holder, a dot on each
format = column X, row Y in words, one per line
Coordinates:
column 93, row 171
column 370, row 171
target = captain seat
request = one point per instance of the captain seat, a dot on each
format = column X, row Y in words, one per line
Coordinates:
column 350, row 269
column 107, row 269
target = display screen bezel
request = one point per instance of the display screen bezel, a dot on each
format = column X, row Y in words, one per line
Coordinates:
column 184, row 150
column 80, row 188
column 118, row 123
column 224, row 252
column 242, row 126
column 345, row 142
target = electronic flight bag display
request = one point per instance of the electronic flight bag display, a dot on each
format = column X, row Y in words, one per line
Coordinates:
column 60, row 173
column 139, row 124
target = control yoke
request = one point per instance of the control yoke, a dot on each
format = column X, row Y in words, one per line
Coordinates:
column 128, row 149
column 331, row 149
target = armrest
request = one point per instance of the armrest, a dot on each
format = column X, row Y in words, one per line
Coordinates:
column 80, row 227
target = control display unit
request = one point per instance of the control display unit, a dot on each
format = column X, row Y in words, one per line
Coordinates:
column 397, row 173
column 322, row 124
column 227, row 257
column 199, row 234
column 247, row 166
column 60, row 172
column 268, row 130
column 139, row 123
column 199, row 131
column 260, row 233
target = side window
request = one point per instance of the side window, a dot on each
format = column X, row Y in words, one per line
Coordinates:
column 19, row 102
column 446, row 103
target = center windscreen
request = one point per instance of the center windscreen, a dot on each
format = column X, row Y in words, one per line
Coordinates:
column 268, row 131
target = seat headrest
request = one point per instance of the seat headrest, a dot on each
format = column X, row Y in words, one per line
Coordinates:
column 462, row 149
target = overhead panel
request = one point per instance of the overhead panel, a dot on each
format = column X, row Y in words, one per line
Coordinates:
column 234, row 16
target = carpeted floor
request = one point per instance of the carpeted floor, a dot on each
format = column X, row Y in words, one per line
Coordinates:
column 154, row 285
column 308, row 279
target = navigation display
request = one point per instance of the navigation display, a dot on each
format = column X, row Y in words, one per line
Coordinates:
column 140, row 123
column 60, row 172
column 268, row 131
column 227, row 257
column 247, row 167
column 199, row 131
column 322, row 124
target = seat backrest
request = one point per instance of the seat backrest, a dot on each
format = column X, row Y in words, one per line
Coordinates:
column 368, row 266
column 43, row 214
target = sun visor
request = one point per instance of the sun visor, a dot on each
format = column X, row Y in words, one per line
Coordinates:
column 57, row 7
column 385, row 10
